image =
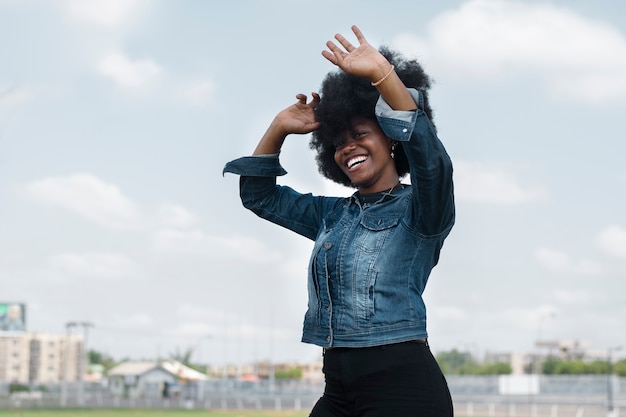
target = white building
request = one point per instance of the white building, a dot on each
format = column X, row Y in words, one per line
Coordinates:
column 151, row 379
column 36, row 358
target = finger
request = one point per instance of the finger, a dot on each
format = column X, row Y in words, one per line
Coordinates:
column 336, row 55
column 330, row 57
column 359, row 35
column 301, row 98
column 334, row 48
column 316, row 99
column 344, row 42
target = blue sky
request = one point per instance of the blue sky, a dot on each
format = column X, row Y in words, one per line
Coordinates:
column 117, row 116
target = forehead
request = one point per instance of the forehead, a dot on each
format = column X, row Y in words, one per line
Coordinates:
column 362, row 122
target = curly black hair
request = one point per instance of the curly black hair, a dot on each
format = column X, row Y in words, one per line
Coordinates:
column 346, row 97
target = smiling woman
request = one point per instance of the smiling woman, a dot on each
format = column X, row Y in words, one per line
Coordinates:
column 373, row 251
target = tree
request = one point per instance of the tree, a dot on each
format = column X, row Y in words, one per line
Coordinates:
column 497, row 368
column 551, row 365
column 183, row 357
column 98, row 358
column 619, row 368
column 454, row 362
column 290, row 373
column 598, row 367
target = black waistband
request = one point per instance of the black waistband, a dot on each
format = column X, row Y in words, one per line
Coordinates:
column 420, row 341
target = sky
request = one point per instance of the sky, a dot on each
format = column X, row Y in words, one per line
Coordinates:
column 117, row 117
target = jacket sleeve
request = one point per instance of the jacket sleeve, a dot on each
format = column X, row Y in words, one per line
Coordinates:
column 433, row 209
column 300, row 213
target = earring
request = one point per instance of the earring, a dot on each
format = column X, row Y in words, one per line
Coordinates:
column 393, row 148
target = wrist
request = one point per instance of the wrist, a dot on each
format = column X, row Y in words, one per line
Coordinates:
column 277, row 129
column 382, row 75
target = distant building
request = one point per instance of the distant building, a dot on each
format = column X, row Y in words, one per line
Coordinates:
column 39, row 358
column 531, row 362
column 151, row 379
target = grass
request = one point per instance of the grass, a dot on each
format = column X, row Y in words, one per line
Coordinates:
column 75, row 412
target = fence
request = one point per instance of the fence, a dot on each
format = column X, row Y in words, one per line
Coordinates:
column 480, row 396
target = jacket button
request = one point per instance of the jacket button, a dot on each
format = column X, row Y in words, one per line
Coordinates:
column 328, row 339
column 328, row 245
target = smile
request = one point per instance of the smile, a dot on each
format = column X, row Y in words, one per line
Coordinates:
column 352, row 162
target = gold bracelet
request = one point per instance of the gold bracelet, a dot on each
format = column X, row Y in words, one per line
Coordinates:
column 377, row 83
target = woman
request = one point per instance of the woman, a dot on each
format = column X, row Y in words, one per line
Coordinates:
column 373, row 251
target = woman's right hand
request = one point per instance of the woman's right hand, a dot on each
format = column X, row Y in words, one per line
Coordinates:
column 298, row 118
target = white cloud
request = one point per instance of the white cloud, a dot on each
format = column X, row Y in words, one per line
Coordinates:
column 190, row 312
column 576, row 57
column 132, row 321
column 173, row 215
column 88, row 196
column 129, row 73
column 235, row 329
column 479, row 183
column 612, row 241
column 104, row 13
column 559, row 261
column 198, row 242
column 190, row 241
column 197, row 93
column 95, row 265
column 196, row 330
column 576, row 298
column 139, row 320
column 12, row 96
column 532, row 318
column 450, row 313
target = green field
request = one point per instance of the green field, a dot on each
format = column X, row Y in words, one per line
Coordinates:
column 65, row 412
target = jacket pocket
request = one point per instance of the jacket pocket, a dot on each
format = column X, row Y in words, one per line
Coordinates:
column 373, row 232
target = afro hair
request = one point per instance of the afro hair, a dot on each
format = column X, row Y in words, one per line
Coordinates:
column 345, row 98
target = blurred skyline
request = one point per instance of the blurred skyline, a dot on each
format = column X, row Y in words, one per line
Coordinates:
column 117, row 117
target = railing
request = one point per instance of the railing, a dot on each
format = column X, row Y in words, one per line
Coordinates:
column 553, row 396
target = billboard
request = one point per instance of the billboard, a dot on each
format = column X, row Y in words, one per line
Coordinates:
column 12, row 317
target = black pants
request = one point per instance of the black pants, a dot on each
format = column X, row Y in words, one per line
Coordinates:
column 395, row 380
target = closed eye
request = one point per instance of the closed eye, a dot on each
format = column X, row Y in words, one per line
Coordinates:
column 356, row 135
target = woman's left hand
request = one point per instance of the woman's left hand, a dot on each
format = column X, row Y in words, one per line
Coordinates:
column 362, row 61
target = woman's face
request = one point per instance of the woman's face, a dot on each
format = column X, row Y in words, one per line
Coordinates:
column 364, row 154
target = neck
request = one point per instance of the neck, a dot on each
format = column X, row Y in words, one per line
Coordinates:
column 379, row 187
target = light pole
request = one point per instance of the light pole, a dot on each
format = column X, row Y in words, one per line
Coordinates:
column 82, row 360
column 535, row 368
column 610, row 409
column 66, row 354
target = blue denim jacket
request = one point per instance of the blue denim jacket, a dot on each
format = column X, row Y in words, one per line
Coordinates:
column 369, row 266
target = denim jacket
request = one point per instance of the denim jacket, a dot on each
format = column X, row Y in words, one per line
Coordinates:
column 369, row 265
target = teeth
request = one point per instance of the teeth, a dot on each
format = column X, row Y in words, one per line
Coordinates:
column 356, row 160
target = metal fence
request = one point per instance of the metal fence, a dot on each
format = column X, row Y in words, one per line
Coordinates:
column 480, row 396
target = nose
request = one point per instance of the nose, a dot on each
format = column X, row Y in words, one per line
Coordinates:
column 347, row 145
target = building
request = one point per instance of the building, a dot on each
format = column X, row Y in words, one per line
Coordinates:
column 39, row 358
column 152, row 379
column 531, row 362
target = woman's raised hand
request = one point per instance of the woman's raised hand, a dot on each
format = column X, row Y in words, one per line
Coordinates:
column 362, row 61
column 299, row 117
